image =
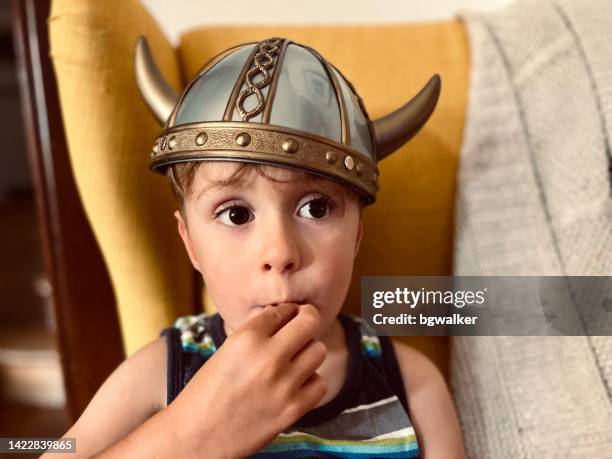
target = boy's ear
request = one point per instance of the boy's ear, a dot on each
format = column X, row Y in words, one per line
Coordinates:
column 359, row 235
column 182, row 229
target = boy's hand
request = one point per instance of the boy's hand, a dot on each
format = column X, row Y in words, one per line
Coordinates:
column 256, row 385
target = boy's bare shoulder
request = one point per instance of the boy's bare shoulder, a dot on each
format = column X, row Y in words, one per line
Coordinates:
column 416, row 368
column 134, row 392
column 431, row 405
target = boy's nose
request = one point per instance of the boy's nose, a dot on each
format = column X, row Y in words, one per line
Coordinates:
column 280, row 248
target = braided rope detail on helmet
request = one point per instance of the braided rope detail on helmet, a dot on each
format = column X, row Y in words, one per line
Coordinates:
column 262, row 62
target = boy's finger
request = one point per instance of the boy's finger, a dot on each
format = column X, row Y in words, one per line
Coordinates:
column 307, row 360
column 272, row 318
column 312, row 391
column 298, row 332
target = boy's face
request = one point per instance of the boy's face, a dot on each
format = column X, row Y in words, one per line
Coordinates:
column 268, row 242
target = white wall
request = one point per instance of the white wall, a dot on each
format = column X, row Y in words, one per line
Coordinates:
column 176, row 16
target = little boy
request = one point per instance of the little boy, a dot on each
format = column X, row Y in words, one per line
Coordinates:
column 272, row 158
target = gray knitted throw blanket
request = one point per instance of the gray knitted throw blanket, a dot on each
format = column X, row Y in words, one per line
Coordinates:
column 534, row 197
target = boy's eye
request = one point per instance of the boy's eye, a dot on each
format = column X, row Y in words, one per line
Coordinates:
column 234, row 215
column 318, row 208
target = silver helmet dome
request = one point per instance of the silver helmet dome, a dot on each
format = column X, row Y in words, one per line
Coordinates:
column 277, row 102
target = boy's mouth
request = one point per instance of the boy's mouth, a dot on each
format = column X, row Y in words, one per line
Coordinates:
column 286, row 301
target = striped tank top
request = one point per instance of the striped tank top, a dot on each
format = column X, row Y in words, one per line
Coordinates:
column 368, row 418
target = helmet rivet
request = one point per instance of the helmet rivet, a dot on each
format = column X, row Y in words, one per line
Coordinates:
column 156, row 148
column 331, row 157
column 172, row 143
column 374, row 177
column 349, row 162
column 243, row 139
column 201, row 139
column 359, row 169
column 290, row 146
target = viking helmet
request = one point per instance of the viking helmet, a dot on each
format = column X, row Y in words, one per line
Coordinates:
column 281, row 103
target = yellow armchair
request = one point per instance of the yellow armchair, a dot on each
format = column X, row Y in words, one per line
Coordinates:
column 109, row 133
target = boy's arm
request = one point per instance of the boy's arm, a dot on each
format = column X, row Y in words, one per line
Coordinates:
column 134, row 392
column 431, row 406
column 265, row 373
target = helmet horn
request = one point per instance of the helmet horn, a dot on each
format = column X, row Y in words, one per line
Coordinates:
column 395, row 129
column 155, row 90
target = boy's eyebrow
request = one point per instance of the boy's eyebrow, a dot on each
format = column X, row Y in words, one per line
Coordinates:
column 215, row 186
